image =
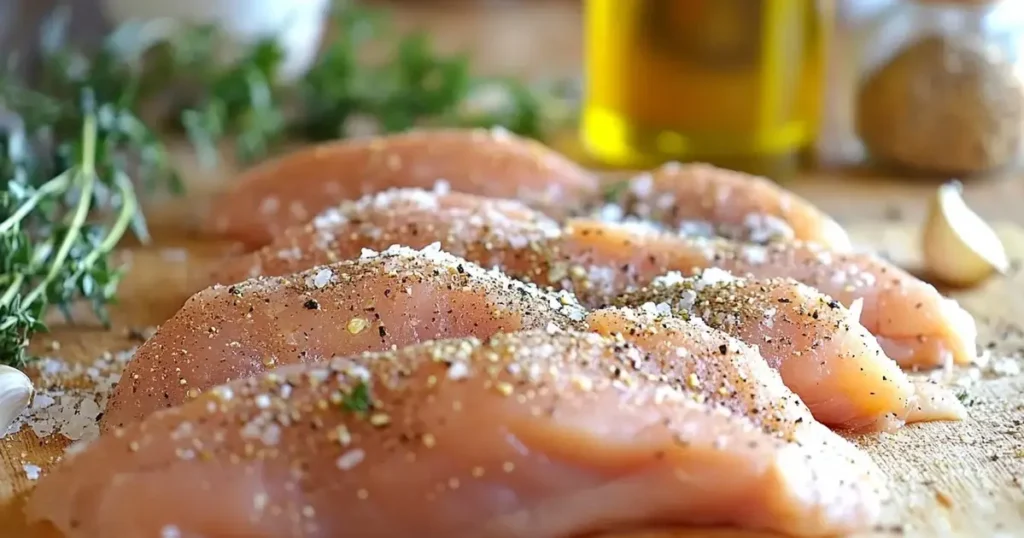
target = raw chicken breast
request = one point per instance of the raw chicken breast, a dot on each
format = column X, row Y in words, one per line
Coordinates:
column 915, row 325
column 375, row 303
column 491, row 232
column 721, row 369
column 705, row 200
column 294, row 188
column 822, row 352
column 539, row 434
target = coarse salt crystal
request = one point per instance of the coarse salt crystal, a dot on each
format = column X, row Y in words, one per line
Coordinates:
column 458, row 370
column 31, row 471
column 671, row 278
column 262, row 401
column 442, row 187
column 70, row 396
column 350, row 459
column 575, row 313
column 611, row 213
column 322, row 278
column 649, row 308
column 329, row 219
column 696, row 228
column 755, row 254
column 518, row 241
column 359, row 371
column 763, row 228
column 712, row 276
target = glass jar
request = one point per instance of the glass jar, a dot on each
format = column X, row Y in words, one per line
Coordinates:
column 939, row 88
column 733, row 82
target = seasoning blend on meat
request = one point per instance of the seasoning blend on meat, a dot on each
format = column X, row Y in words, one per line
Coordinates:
column 292, row 189
column 915, row 325
column 381, row 300
column 538, row 434
column 818, row 346
column 491, row 232
column 706, row 200
column 598, row 261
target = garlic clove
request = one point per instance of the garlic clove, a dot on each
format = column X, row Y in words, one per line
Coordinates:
column 960, row 248
column 16, row 392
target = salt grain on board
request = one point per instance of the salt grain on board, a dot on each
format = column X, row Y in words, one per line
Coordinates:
column 31, row 471
column 70, row 397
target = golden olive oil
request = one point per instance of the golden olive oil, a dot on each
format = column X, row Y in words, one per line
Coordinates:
column 733, row 82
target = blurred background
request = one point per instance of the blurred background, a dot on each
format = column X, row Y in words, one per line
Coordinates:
column 904, row 88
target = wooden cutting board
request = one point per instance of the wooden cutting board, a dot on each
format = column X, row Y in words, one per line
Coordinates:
column 949, row 479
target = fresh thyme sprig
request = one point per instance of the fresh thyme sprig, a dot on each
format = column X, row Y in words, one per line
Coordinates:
column 68, row 145
column 52, row 255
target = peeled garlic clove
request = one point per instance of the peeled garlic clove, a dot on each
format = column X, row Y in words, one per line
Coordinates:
column 16, row 394
column 959, row 247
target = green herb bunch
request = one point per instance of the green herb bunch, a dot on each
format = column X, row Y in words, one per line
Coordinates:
column 74, row 144
column 68, row 147
column 412, row 86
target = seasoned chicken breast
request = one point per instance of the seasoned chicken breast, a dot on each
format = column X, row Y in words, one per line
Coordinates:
column 915, row 325
column 818, row 346
column 598, row 261
column 539, row 434
column 700, row 199
column 374, row 303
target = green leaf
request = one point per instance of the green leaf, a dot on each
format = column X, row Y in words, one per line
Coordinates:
column 358, row 399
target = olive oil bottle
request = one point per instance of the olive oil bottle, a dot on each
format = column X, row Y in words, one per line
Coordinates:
column 737, row 83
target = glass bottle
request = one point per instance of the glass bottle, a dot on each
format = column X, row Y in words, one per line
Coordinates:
column 733, row 82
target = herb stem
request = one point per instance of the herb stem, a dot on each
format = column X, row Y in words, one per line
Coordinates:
column 12, row 290
column 129, row 204
column 54, row 186
column 86, row 176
